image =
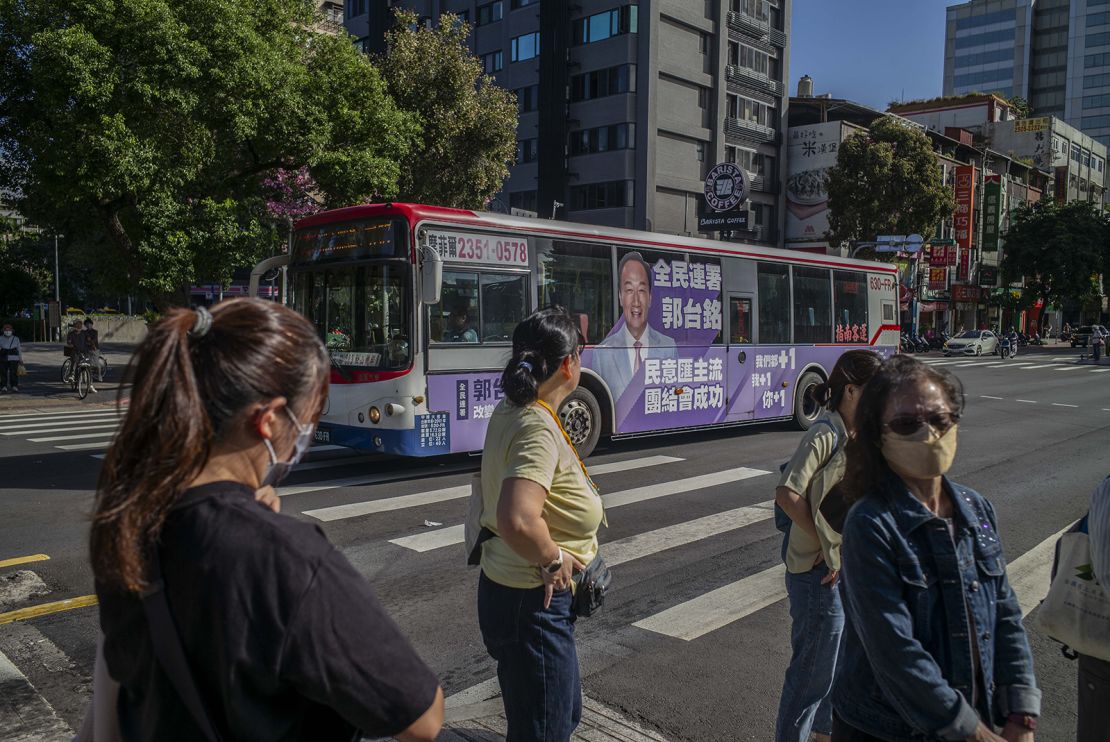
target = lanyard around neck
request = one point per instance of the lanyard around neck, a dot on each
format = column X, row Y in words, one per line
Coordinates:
column 559, row 424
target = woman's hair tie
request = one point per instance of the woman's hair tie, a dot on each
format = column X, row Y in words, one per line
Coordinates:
column 527, row 365
column 203, row 323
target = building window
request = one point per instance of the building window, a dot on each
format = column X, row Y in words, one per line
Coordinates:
column 603, row 139
column 492, row 62
column 525, row 47
column 703, row 97
column 518, row 4
column 986, row 19
column 527, row 150
column 605, row 25
column 525, row 200
column 700, row 147
column 527, row 99
column 489, row 13
column 773, row 288
column 747, row 109
column 982, row 39
column 758, row 9
column 1096, row 60
column 612, row 195
column 1075, row 153
column 757, row 164
column 1097, row 39
column 600, row 83
column 704, row 42
column 741, row 55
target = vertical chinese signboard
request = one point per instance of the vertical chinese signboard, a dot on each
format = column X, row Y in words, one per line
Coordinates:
column 964, row 220
column 938, row 279
column 992, row 212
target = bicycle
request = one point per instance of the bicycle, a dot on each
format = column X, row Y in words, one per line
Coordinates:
column 101, row 369
column 82, row 376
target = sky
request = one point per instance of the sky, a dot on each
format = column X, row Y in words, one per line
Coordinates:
column 869, row 51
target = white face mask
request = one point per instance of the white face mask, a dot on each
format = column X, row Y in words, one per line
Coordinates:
column 7, row 333
column 279, row 470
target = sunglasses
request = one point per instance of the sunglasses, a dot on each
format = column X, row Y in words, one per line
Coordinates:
column 910, row 424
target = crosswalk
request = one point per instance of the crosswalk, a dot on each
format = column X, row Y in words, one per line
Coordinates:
column 1037, row 364
column 395, row 499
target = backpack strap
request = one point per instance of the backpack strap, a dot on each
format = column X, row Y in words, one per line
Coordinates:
column 168, row 649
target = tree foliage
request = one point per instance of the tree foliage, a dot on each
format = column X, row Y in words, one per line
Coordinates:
column 145, row 128
column 469, row 122
column 886, row 181
column 1058, row 249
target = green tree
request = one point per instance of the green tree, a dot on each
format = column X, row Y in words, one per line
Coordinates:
column 1058, row 249
column 1021, row 106
column 469, row 122
column 144, row 129
column 886, row 181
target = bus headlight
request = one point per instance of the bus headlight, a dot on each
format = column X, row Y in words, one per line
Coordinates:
column 392, row 409
column 375, row 415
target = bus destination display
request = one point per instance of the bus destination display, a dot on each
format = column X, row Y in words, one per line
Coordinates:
column 346, row 241
column 461, row 247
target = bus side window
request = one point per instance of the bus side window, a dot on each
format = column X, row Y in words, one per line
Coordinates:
column 740, row 320
column 504, row 305
column 456, row 318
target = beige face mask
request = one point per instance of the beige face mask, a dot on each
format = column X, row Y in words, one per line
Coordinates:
column 925, row 454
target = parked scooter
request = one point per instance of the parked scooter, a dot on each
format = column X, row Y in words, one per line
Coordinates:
column 1007, row 348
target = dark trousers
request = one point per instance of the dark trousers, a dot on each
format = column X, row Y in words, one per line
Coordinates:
column 1094, row 700
column 843, row 732
column 537, row 663
column 9, row 373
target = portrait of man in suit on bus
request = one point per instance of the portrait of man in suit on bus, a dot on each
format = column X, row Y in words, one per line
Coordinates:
column 620, row 357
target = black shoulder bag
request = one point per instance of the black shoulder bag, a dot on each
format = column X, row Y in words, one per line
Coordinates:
column 168, row 649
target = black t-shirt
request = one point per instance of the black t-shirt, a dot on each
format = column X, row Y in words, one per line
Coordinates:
column 284, row 638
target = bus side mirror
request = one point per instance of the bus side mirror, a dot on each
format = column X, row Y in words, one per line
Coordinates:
column 431, row 276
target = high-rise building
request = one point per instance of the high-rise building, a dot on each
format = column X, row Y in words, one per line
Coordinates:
column 624, row 106
column 1054, row 53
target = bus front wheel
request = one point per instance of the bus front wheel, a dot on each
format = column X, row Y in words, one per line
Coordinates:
column 806, row 408
column 581, row 416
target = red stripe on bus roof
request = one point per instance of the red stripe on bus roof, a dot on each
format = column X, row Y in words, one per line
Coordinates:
column 417, row 212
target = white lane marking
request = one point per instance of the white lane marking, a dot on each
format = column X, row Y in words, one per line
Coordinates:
column 37, row 423
column 1046, row 365
column 1026, row 401
column 1099, row 370
column 972, row 363
column 615, row 466
column 1031, row 573
column 32, row 717
column 669, row 537
column 51, row 439
column 1060, row 404
column 998, row 365
column 720, row 607
column 1069, row 368
column 86, row 447
column 451, row 535
column 67, row 413
column 665, row 489
column 1019, row 365
column 355, row 509
column 987, row 396
column 66, row 429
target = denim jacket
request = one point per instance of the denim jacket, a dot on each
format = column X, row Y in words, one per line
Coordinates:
column 908, row 661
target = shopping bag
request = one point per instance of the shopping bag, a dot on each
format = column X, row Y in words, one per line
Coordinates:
column 1077, row 609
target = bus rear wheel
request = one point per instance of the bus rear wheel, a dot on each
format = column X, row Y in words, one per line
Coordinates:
column 581, row 416
column 806, row 408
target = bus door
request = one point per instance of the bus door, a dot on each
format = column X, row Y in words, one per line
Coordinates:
column 740, row 326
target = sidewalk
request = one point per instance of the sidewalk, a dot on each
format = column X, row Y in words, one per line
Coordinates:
column 42, row 388
column 472, row 718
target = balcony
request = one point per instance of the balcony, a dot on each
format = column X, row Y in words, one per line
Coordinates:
column 746, row 24
column 764, row 184
column 743, row 76
column 778, row 38
column 750, row 131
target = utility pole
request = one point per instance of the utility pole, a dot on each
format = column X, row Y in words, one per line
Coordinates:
column 57, row 283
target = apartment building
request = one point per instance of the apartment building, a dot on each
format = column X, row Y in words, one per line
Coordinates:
column 625, row 106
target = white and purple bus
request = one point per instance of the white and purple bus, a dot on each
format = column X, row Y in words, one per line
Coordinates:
column 417, row 306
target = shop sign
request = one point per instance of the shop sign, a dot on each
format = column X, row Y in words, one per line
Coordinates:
column 965, row 294
column 938, row 279
column 988, row 275
column 963, row 273
column 992, row 212
column 965, row 205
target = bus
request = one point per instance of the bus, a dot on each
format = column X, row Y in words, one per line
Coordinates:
column 417, row 305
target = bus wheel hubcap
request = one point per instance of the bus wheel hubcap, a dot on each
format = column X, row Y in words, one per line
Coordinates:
column 810, row 408
column 577, row 421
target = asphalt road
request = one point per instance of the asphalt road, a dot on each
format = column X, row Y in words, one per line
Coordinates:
column 693, row 641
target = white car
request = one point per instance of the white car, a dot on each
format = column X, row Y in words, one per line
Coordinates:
column 972, row 343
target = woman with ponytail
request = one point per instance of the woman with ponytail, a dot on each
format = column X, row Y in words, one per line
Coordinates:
column 277, row 635
column 544, row 512
column 808, row 494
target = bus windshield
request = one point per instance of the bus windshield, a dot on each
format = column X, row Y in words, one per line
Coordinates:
column 360, row 312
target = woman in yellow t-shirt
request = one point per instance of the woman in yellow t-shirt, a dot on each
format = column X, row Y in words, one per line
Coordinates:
column 545, row 512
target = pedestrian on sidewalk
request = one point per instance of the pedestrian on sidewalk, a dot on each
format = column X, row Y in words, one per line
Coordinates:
column 544, row 512
column 934, row 646
column 276, row 635
column 1094, row 673
column 10, row 358
column 808, row 493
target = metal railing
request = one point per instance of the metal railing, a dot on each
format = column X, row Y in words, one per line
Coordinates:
column 744, row 76
column 748, row 24
column 750, row 130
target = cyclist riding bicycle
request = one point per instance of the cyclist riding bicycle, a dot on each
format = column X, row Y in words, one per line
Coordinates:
column 80, row 347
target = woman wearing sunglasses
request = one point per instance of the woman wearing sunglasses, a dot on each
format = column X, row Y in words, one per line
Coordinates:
column 934, row 647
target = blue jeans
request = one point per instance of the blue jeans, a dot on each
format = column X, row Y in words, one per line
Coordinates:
column 817, row 617
column 537, row 662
